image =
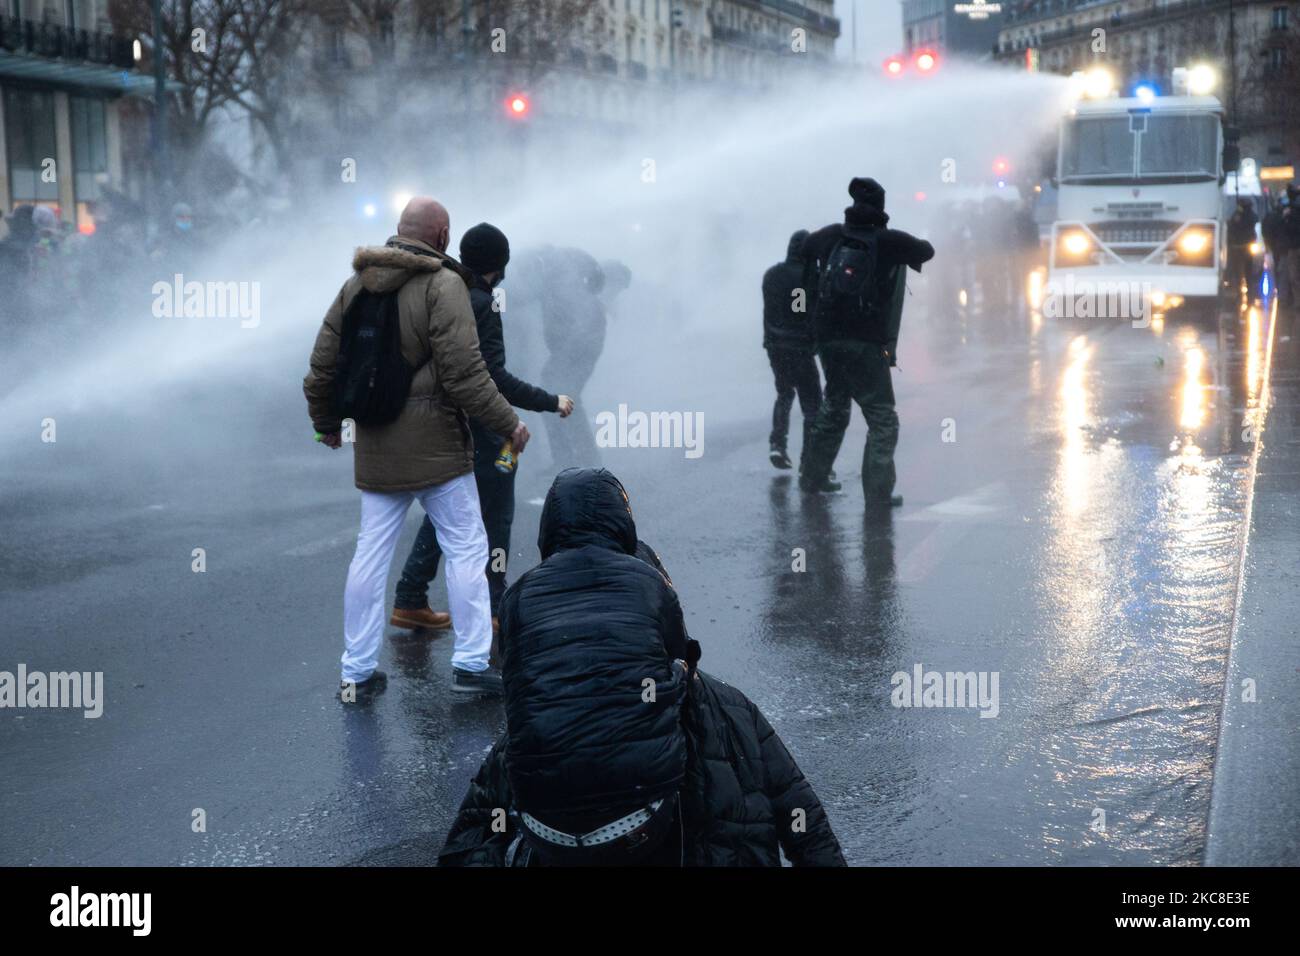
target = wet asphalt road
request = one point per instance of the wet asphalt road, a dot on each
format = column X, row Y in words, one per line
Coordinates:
column 1079, row 538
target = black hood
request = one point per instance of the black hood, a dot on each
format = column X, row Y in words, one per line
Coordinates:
column 794, row 251
column 586, row 506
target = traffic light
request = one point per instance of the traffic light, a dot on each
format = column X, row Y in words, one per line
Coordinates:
column 926, row 61
column 1001, row 166
column 517, row 105
column 894, row 66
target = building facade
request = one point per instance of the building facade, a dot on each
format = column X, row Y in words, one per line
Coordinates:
column 596, row 60
column 964, row 28
column 1250, row 42
column 64, row 79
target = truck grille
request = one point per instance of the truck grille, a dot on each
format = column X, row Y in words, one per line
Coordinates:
column 1149, row 234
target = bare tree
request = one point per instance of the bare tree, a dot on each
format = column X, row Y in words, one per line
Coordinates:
column 222, row 53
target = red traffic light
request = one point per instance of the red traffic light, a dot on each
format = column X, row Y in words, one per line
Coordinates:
column 1001, row 166
column 926, row 61
column 518, row 106
column 894, row 66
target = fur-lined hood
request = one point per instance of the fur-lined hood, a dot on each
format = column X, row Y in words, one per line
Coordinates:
column 388, row 267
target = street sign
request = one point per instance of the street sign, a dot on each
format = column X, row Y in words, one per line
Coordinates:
column 977, row 9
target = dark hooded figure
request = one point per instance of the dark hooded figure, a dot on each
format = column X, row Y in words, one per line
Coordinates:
column 17, row 267
column 791, row 346
column 573, row 326
column 860, row 267
column 1240, row 267
column 617, row 751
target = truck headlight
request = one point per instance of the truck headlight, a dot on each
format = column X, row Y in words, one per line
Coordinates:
column 1076, row 243
column 1256, row 248
column 1194, row 242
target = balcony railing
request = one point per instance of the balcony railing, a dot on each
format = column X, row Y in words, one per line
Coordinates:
column 58, row 42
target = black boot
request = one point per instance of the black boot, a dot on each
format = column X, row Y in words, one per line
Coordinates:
column 820, row 486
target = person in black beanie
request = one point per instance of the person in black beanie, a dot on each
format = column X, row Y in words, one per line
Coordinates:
column 484, row 252
column 861, row 267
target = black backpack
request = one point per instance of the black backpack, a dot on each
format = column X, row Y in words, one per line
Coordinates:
column 846, row 289
column 371, row 378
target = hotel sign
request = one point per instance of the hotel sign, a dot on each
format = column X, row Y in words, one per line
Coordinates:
column 978, row 9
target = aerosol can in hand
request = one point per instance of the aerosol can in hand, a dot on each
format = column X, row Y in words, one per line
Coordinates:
column 506, row 458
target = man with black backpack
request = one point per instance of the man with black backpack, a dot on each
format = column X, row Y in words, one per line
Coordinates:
column 861, row 267
column 398, row 355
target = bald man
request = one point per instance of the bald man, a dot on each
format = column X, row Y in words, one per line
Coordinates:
column 426, row 453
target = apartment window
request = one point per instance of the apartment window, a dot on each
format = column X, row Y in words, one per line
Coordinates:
column 1276, row 59
column 1280, row 18
column 89, row 156
column 30, row 140
column 387, row 32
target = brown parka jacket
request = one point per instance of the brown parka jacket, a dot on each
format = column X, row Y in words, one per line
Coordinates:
column 429, row 443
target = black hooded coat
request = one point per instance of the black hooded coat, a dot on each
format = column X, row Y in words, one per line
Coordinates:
column 783, row 325
column 580, row 633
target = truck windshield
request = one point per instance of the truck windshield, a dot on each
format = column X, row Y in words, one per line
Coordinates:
column 1144, row 148
column 1097, row 148
column 1184, row 146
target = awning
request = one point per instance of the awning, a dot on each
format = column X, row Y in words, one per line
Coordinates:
column 63, row 74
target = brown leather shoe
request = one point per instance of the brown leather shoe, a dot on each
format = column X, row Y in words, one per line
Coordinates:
column 420, row 619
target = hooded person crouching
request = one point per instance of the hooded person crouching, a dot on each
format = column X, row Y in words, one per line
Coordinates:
column 617, row 751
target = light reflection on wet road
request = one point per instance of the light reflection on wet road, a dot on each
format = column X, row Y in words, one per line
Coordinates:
column 1079, row 538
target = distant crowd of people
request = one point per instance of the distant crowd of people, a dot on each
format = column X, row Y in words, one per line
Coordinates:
column 49, row 265
column 1281, row 233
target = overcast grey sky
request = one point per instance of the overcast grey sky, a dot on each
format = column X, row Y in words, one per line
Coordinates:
column 879, row 28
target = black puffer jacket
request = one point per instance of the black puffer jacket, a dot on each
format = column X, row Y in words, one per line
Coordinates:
column 576, row 631
column 580, row 633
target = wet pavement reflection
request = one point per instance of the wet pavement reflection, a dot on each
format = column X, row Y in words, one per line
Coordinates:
column 1074, row 506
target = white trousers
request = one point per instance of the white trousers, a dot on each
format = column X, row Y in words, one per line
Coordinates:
column 454, row 510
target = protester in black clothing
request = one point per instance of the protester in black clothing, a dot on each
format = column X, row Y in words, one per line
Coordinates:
column 860, row 265
column 791, row 346
column 617, row 750
column 1275, row 241
column 574, row 319
column 1290, row 264
column 16, row 268
column 484, row 252
column 1240, row 266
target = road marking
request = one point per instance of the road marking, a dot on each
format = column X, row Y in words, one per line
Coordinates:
column 955, row 518
column 987, row 500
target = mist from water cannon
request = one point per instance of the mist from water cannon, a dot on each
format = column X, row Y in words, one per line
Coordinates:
column 697, row 206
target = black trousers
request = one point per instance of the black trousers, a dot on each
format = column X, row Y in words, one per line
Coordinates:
column 496, row 495
column 1241, row 267
column 856, row 372
column 796, row 373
